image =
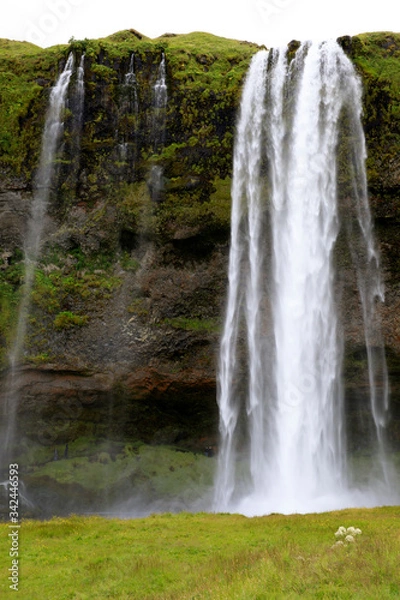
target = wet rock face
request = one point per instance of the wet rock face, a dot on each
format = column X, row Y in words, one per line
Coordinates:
column 128, row 304
column 14, row 206
column 147, row 405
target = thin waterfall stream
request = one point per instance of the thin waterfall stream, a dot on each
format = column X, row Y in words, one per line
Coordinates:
column 52, row 134
column 283, row 441
column 160, row 101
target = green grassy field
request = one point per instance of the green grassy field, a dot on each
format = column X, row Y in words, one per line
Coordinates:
column 206, row 556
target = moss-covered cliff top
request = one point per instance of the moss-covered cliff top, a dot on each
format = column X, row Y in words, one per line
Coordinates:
column 204, row 80
column 204, row 77
column 379, row 55
column 195, row 61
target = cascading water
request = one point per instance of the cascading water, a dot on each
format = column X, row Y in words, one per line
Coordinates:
column 159, row 123
column 128, row 115
column 43, row 184
column 77, row 104
column 80, row 94
column 160, row 105
column 131, row 84
column 283, row 443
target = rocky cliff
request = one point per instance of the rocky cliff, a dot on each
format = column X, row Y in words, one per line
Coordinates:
column 129, row 292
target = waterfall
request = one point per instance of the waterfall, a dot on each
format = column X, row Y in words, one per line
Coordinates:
column 160, row 100
column 43, row 183
column 131, row 85
column 280, row 393
column 160, row 105
column 80, row 94
column 53, row 129
column 77, row 104
column 128, row 121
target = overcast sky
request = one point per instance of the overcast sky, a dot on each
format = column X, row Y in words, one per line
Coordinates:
column 269, row 22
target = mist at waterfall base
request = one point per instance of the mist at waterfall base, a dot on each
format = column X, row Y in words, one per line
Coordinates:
column 299, row 181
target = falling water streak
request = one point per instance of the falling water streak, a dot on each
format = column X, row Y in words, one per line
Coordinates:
column 131, row 83
column 80, row 94
column 304, row 314
column 126, row 138
column 370, row 287
column 52, row 133
column 229, row 409
column 130, row 77
column 77, row 105
column 160, row 105
column 304, row 402
column 159, row 121
column 160, row 87
column 254, row 283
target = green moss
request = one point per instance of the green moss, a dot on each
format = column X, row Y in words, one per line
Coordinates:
column 201, row 58
column 39, row 359
column 45, row 292
column 135, row 208
column 188, row 210
column 139, row 308
column 161, row 471
column 8, row 303
column 22, row 102
column 189, row 324
column 128, row 263
column 220, row 202
column 16, row 48
column 17, row 96
column 67, row 319
column 11, row 276
column 104, row 72
column 67, row 296
column 376, row 56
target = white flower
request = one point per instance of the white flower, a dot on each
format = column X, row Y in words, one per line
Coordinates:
column 341, row 531
column 338, row 543
column 348, row 534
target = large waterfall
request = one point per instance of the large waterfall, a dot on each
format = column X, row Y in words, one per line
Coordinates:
column 283, row 441
column 44, row 181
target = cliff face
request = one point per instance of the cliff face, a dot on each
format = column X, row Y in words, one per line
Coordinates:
column 128, row 299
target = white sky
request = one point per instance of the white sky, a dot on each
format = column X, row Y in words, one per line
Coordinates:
column 269, row 22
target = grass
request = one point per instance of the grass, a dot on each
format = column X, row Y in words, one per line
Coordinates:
column 207, row 556
column 193, row 324
column 378, row 53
